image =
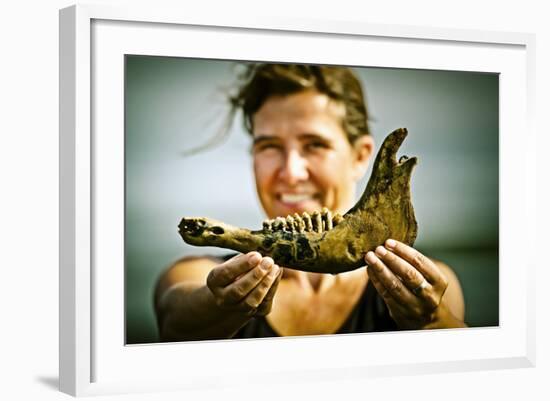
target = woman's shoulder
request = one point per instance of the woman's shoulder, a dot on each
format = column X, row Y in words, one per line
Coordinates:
column 200, row 260
column 189, row 269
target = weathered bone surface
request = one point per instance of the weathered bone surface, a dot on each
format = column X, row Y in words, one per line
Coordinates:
column 323, row 242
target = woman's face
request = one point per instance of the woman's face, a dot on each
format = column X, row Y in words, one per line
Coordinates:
column 303, row 160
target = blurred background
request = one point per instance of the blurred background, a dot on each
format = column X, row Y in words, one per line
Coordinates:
column 174, row 105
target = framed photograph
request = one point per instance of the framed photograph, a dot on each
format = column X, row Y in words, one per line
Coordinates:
column 147, row 137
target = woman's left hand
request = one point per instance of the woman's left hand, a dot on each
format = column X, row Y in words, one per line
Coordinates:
column 411, row 285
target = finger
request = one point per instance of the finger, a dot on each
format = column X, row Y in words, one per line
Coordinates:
column 259, row 293
column 241, row 288
column 403, row 269
column 273, row 289
column 384, row 293
column 428, row 268
column 379, row 287
column 231, row 269
column 387, row 279
column 265, row 305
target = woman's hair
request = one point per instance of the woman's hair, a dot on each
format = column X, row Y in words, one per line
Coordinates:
column 260, row 81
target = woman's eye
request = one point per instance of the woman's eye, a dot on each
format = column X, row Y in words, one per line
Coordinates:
column 317, row 145
column 266, row 146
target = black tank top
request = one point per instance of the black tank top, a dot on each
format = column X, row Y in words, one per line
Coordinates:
column 370, row 314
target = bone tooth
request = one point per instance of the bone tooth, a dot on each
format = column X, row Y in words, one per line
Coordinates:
column 307, row 221
column 278, row 224
column 314, row 221
column 298, row 223
column 317, row 222
column 328, row 219
column 290, row 223
column 324, row 220
column 324, row 212
column 337, row 219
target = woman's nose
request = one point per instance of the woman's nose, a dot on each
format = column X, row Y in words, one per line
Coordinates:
column 295, row 168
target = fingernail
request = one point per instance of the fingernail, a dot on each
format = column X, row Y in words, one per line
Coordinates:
column 254, row 259
column 370, row 257
column 391, row 243
column 381, row 251
column 266, row 264
column 274, row 271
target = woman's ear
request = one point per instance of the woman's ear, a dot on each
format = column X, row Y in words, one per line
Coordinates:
column 363, row 148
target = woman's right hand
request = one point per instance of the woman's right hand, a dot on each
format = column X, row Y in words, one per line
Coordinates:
column 245, row 284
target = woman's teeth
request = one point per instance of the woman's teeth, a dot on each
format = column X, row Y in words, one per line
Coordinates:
column 295, row 198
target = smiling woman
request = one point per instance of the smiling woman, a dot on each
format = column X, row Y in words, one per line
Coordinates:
column 311, row 146
column 179, row 100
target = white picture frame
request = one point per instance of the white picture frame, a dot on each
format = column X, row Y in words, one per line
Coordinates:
column 93, row 357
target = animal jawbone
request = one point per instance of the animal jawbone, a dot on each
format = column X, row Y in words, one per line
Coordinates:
column 324, row 242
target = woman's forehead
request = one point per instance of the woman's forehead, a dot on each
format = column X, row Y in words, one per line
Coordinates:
column 304, row 102
column 305, row 109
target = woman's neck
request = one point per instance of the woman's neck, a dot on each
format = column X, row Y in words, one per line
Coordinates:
column 320, row 282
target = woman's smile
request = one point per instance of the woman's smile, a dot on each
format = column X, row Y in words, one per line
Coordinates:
column 298, row 202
